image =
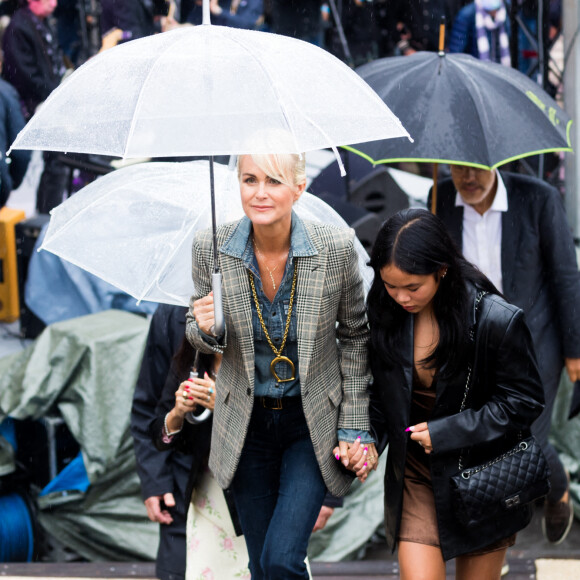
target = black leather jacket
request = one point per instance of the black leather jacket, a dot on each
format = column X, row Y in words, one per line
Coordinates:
column 505, row 397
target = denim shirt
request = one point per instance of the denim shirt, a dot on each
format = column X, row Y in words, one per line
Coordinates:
column 274, row 314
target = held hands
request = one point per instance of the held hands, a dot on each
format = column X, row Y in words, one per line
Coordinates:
column 204, row 313
column 420, row 434
column 154, row 511
column 361, row 458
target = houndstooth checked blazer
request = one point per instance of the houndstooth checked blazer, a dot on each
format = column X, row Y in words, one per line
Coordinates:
column 332, row 348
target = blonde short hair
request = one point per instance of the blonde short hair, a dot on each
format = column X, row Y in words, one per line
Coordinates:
column 287, row 168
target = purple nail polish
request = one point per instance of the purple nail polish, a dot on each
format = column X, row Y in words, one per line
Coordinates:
column 337, row 456
column 408, row 429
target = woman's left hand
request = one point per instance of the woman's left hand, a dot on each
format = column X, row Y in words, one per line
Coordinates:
column 420, row 434
column 361, row 458
column 203, row 391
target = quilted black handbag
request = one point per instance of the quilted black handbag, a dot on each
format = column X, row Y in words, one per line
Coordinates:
column 514, row 478
column 511, row 480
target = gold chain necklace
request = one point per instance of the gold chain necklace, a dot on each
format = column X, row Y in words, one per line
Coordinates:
column 278, row 351
column 270, row 272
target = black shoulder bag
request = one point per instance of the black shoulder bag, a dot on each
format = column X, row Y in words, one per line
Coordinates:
column 514, row 478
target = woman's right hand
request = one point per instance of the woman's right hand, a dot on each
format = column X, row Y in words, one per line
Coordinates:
column 184, row 399
column 184, row 403
column 203, row 311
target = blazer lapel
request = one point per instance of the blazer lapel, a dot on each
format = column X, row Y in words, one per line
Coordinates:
column 236, row 288
column 510, row 234
column 311, row 275
column 455, row 225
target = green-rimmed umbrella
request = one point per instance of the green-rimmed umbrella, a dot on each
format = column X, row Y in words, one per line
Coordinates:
column 462, row 110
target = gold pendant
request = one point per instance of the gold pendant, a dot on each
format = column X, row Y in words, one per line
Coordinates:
column 282, row 359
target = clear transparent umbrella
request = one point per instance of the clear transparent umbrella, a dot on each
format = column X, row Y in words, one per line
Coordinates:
column 134, row 227
column 210, row 90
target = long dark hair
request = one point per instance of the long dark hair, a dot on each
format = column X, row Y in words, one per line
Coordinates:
column 184, row 359
column 416, row 242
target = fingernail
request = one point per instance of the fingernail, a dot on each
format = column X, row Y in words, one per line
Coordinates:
column 345, row 462
column 337, row 456
column 409, row 429
column 365, row 465
column 205, row 375
column 358, row 439
column 365, row 451
column 186, row 388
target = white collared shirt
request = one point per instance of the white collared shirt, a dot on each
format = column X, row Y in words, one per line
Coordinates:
column 482, row 234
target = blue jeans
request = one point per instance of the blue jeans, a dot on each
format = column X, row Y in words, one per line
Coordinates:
column 278, row 491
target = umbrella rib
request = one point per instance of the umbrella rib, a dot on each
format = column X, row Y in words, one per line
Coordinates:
column 272, row 83
column 167, row 261
column 168, row 48
column 466, row 74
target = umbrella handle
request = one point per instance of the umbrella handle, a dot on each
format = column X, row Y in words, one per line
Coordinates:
column 194, row 419
column 218, row 306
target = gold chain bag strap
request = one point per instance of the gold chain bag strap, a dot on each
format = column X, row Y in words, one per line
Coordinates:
column 516, row 477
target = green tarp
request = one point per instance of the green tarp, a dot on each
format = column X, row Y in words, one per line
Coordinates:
column 85, row 369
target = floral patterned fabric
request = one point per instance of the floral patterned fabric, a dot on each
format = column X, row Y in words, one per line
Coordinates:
column 214, row 552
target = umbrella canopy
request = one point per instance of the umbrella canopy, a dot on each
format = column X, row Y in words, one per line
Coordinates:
column 209, row 90
column 134, row 227
column 462, row 110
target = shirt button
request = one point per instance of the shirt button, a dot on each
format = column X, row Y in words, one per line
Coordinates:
column 273, row 314
column 249, row 391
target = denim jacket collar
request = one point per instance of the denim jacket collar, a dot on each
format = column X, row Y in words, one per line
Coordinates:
column 238, row 244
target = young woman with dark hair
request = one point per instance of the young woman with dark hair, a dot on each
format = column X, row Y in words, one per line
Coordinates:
column 433, row 316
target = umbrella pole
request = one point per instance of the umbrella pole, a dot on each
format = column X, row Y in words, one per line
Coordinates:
column 434, row 191
column 216, row 277
column 435, row 165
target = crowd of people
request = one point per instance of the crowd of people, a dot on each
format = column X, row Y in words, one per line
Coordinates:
column 247, row 441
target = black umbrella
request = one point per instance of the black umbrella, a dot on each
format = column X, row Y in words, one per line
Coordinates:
column 462, row 110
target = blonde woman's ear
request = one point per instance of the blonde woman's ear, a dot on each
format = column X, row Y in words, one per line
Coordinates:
column 300, row 190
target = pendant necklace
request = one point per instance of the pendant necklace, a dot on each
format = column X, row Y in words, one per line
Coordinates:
column 278, row 351
column 270, row 272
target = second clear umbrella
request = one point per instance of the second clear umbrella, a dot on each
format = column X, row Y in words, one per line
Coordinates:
column 134, row 227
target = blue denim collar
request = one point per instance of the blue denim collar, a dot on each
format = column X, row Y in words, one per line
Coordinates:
column 238, row 244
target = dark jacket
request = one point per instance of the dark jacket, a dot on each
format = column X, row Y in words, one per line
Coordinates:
column 247, row 15
column 159, row 472
column 505, row 396
column 28, row 64
column 538, row 262
column 463, row 37
column 11, row 123
column 420, row 19
column 134, row 16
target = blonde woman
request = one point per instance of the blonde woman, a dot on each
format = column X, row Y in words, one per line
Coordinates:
column 294, row 374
